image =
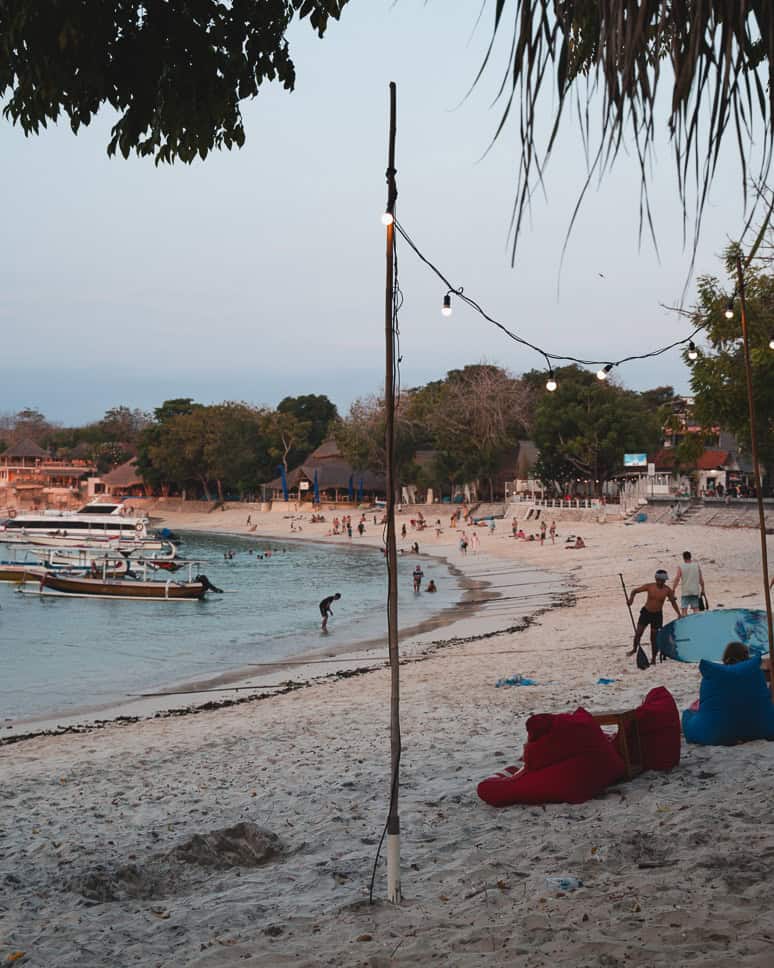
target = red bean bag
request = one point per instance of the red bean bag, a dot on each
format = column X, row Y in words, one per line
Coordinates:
column 658, row 719
column 567, row 759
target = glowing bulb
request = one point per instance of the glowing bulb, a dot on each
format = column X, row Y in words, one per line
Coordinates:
column 602, row 374
column 550, row 383
column 729, row 311
column 447, row 307
column 693, row 353
column 387, row 218
column 771, row 342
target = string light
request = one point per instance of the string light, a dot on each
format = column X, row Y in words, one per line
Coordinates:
column 602, row 374
column 693, row 353
column 729, row 311
column 547, row 356
column 387, row 218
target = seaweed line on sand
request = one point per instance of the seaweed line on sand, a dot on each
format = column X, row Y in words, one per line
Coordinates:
column 566, row 600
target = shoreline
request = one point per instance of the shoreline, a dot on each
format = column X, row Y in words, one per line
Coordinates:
column 221, row 689
column 673, row 865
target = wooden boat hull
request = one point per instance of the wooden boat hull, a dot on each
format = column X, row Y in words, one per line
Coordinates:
column 21, row 573
column 124, row 588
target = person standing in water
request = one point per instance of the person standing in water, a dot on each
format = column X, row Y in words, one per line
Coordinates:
column 652, row 613
column 326, row 610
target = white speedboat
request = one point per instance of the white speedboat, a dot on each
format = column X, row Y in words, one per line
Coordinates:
column 96, row 524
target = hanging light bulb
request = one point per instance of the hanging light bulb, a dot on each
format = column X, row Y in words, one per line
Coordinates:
column 693, row 353
column 729, row 311
column 446, row 309
column 387, row 218
column 771, row 342
column 550, row 382
column 602, row 374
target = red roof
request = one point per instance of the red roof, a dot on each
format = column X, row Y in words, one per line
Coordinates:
column 710, row 460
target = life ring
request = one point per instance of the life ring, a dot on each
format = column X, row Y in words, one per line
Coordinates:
column 138, row 526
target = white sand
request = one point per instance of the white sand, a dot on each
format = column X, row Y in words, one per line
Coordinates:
column 676, row 867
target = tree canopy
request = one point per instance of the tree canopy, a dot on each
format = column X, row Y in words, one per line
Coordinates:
column 584, row 428
column 717, row 376
column 175, row 71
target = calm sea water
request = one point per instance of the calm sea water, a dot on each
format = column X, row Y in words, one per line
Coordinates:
column 59, row 654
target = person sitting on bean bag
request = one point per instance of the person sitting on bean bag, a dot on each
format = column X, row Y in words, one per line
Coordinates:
column 734, row 701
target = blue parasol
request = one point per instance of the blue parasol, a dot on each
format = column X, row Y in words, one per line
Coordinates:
column 360, row 491
column 316, row 488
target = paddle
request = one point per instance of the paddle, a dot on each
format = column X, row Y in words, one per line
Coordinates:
column 626, row 596
column 642, row 662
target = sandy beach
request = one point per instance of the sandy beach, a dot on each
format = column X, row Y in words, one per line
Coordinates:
column 104, row 862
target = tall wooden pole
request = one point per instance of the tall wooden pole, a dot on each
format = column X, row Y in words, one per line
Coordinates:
column 756, row 464
column 393, row 819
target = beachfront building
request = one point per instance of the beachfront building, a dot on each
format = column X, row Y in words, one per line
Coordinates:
column 123, row 481
column 30, row 477
column 337, row 479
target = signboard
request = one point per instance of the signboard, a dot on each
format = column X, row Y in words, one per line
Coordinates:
column 635, row 460
column 303, row 485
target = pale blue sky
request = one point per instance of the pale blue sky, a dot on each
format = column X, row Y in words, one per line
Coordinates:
column 260, row 273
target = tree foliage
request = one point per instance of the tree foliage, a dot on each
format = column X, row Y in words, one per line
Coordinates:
column 718, row 58
column 175, row 71
column 717, row 376
column 584, row 428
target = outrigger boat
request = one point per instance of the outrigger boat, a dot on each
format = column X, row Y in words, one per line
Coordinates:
column 125, row 587
column 47, row 562
column 135, row 588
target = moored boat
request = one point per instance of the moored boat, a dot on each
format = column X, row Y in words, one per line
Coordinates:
column 132, row 588
column 98, row 520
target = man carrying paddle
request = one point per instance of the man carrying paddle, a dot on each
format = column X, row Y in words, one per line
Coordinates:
column 652, row 613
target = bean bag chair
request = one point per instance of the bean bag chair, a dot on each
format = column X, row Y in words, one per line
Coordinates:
column 734, row 705
column 658, row 721
column 567, row 759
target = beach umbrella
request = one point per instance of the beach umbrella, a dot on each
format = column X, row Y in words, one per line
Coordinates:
column 351, row 488
column 284, row 480
column 360, row 491
column 316, row 488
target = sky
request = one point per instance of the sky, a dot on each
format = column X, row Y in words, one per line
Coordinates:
column 259, row 273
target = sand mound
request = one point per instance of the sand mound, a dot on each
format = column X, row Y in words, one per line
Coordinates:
column 243, row 845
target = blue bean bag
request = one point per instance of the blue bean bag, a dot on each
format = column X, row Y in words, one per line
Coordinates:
column 734, row 705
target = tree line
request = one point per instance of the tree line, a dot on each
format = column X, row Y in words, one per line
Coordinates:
column 464, row 428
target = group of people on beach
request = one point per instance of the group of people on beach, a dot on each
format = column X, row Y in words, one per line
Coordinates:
column 692, row 599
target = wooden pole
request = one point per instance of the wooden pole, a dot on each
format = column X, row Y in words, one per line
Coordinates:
column 393, row 819
column 756, row 464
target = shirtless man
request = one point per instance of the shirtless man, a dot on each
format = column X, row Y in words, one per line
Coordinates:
column 652, row 614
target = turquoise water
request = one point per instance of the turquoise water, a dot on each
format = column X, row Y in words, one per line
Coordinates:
column 59, row 655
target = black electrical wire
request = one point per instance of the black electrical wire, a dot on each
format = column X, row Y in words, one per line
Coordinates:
column 546, row 354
